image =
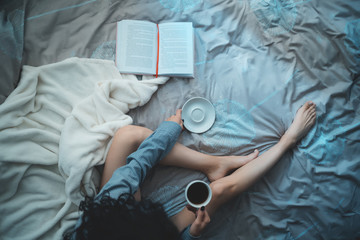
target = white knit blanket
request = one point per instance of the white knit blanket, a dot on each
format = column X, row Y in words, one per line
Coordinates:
column 54, row 128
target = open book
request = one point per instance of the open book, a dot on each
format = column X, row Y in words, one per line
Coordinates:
column 155, row 49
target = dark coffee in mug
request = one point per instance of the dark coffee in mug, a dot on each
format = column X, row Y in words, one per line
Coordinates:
column 198, row 193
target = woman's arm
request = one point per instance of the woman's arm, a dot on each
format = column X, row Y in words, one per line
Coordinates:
column 232, row 185
column 126, row 179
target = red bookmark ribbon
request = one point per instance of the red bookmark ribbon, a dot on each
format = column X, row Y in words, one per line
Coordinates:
column 158, row 45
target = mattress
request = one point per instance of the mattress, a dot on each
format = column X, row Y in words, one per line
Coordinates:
column 257, row 61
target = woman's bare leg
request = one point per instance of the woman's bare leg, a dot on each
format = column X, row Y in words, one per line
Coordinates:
column 128, row 139
column 230, row 186
column 125, row 141
column 215, row 167
column 247, row 175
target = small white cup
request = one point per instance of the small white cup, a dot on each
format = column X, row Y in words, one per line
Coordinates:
column 198, row 193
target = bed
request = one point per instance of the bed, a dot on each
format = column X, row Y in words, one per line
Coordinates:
column 257, row 61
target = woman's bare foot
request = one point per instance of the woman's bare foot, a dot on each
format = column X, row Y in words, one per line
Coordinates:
column 304, row 120
column 228, row 163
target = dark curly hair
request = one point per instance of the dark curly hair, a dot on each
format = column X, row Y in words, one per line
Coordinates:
column 123, row 218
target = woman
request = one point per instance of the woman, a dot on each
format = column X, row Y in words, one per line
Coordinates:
column 115, row 214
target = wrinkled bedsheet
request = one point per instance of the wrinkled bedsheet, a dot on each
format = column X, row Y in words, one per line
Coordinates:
column 257, row 61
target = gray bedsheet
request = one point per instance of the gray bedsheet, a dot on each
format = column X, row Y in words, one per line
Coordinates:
column 257, row 61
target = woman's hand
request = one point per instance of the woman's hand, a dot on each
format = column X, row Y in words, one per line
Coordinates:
column 176, row 118
column 201, row 221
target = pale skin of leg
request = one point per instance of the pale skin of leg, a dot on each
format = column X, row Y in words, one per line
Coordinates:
column 249, row 168
column 230, row 186
column 128, row 139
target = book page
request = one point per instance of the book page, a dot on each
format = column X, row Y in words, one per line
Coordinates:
column 176, row 49
column 136, row 47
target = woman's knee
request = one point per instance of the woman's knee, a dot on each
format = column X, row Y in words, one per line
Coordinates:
column 222, row 191
column 133, row 134
column 218, row 189
column 217, row 199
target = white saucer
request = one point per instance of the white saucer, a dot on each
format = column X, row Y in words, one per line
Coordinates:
column 198, row 114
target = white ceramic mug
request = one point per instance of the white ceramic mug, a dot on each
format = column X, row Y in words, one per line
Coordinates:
column 198, row 193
